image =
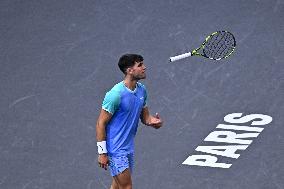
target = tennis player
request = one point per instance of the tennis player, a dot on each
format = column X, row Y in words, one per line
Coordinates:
column 117, row 124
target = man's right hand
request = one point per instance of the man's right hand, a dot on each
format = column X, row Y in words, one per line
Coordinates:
column 103, row 161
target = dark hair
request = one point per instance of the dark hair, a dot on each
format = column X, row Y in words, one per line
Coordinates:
column 128, row 60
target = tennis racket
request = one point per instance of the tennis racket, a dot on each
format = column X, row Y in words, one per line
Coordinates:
column 217, row 46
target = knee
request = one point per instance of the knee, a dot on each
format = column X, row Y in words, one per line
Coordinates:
column 126, row 186
column 114, row 185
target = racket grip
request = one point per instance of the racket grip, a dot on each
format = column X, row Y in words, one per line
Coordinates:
column 181, row 56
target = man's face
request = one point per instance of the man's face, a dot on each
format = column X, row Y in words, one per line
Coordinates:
column 138, row 71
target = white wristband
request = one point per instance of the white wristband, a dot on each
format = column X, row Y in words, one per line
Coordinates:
column 102, row 147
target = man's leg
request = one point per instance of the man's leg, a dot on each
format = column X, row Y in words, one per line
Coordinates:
column 124, row 180
column 114, row 184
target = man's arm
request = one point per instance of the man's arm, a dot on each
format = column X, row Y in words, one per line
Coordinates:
column 149, row 120
column 102, row 121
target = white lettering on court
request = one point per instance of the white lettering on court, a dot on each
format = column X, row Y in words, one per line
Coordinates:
column 228, row 141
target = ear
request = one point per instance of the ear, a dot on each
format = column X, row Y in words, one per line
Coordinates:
column 129, row 70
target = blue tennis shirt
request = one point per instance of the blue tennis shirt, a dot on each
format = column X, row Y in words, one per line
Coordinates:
column 125, row 106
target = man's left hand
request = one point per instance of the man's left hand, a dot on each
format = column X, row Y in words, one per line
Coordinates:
column 155, row 121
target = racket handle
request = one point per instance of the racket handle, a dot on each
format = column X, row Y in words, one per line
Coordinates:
column 181, row 56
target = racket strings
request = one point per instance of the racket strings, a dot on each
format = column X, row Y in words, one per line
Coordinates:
column 219, row 45
column 224, row 49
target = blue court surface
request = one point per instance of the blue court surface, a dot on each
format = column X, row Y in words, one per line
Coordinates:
column 223, row 120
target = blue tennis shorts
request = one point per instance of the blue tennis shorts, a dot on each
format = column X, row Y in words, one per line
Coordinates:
column 119, row 164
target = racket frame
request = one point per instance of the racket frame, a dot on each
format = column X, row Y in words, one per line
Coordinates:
column 195, row 52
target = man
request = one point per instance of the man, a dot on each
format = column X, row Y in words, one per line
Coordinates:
column 117, row 124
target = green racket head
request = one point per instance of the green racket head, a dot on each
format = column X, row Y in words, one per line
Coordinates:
column 218, row 45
